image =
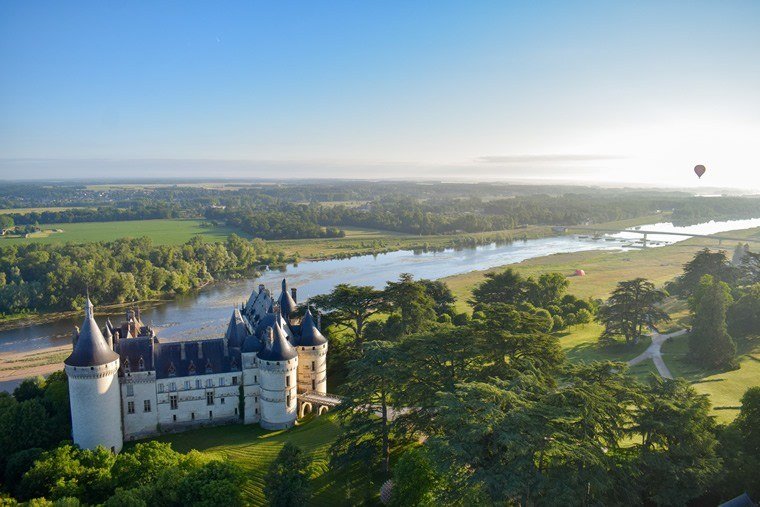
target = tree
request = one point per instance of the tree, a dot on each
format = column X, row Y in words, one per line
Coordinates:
column 710, row 345
column 213, row 484
column 366, row 414
column 743, row 317
column 442, row 296
column 632, row 307
column 414, row 479
column 6, row 222
column 350, row 306
column 411, row 301
column 144, row 460
column 30, row 388
column 505, row 287
column 547, row 290
column 287, row 483
column 705, row 262
column 678, row 457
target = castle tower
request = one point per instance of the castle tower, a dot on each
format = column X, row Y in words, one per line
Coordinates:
column 312, row 357
column 251, row 378
column 278, row 367
column 286, row 301
column 94, row 388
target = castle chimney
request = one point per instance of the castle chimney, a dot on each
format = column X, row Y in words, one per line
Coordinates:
column 75, row 336
column 261, row 287
column 226, row 347
column 294, row 294
column 270, row 337
column 182, row 354
column 200, row 350
column 319, row 320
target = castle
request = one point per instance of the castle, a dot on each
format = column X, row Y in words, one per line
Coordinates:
column 124, row 383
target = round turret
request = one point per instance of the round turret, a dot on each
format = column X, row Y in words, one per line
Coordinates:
column 287, row 303
column 94, row 392
column 278, row 367
column 312, row 357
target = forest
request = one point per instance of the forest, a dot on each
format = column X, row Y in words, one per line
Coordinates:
column 36, row 277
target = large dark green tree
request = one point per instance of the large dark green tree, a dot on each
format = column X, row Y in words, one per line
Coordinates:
column 678, row 450
column 350, row 306
column 287, row 482
column 633, row 306
column 710, row 345
column 743, row 317
column 504, row 287
column 705, row 262
column 368, row 413
column 410, row 302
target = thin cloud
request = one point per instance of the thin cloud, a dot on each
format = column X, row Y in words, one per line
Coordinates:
column 540, row 159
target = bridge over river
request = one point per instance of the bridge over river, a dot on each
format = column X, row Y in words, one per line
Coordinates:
column 720, row 237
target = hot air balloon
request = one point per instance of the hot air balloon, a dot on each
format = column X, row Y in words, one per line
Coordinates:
column 699, row 170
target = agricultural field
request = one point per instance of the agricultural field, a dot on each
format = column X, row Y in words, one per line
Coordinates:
column 161, row 232
column 254, row 449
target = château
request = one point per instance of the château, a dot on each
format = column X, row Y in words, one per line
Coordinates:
column 125, row 383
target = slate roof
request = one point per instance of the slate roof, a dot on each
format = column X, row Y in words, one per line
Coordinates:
column 169, row 362
column 277, row 347
column 91, row 348
column 287, row 305
column 237, row 331
column 132, row 349
column 309, row 334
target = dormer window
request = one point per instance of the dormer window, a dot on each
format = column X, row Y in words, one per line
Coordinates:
column 209, row 368
column 172, row 370
column 191, row 368
column 126, row 365
column 141, row 364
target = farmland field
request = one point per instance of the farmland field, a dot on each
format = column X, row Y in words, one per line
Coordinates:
column 161, row 232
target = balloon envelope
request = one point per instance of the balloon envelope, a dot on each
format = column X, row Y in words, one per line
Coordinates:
column 699, row 170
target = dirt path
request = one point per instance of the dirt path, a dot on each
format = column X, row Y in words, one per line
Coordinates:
column 654, row 353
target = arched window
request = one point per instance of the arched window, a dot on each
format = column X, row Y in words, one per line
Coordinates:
column 126, row 365
column 141, row 364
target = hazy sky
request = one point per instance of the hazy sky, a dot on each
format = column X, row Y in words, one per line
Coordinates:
column 611, row 91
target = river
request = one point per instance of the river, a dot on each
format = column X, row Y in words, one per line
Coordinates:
column 205, row 313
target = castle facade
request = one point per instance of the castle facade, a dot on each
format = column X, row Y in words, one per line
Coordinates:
column 125, row 384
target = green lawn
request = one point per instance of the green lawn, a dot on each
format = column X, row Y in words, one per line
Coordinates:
column 161, row 232
column 581, row 343
column 724, row 387
column 254, row 449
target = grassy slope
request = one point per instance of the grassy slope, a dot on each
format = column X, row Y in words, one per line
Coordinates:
column 254, row 449
column 162, row 232
column 603, row 271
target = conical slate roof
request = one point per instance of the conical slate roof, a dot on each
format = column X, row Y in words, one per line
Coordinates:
column 91, row 348
column 287, row 305
column 237, row 331
column 277, row 347
column 310, row 335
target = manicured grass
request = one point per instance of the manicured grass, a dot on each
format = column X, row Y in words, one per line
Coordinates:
column 581, row 343
column 254, row 449
column 161, row 232
column 725, row 388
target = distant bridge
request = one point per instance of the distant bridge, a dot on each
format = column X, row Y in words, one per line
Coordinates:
column 720, row 237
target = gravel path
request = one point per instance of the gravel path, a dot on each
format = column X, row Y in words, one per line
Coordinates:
column 654, row 353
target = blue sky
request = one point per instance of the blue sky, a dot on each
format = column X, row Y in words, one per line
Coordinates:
column 599, row 91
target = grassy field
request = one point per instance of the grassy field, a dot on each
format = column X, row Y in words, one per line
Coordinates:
column 254, row 449
column 360, row 241
column 161, row 232
column 603, row 271
column 725, row 388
